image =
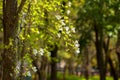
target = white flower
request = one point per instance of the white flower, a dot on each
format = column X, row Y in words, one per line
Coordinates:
column 78, row 51
column 41, row 51
column 49, row 53
column 62, row 22
column 35, row 52
column 69, row 4
column 61, row 29
column 34, row 69
column 77, row 45
column 76, row 42
column 110, row 34
column 28, row 73
column 18, row 65
column 67, row 28
column 59, row 35
column 68, row 12
column 58, row 17
column 17, row 69
column 68, row 32
column 73, row 30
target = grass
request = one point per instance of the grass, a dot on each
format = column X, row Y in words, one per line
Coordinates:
column 74, row 77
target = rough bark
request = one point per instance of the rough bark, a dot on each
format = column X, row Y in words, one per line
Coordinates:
column 10, row 34
column 10, row 27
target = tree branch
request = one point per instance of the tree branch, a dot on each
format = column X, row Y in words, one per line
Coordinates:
column 21, row 6
column 19, row 9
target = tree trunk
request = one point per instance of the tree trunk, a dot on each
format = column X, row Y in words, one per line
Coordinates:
column 86, row 62
column 70, row 66
column 54, row 63
column 1, row 71
column 10, row 39
column 64, row 72
column 118, row 55
column 112, row 70
column 35, row 63
column 10, row 27
column 1, row 51
column 99, row 51
column 43, row 68
column 109, row 60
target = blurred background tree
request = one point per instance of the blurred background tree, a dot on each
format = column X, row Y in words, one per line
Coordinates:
column 41, row 39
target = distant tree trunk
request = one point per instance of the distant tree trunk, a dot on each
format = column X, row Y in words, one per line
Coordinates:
column 70, row 66
column 43, row 68
column 118, row 51
column 118, row 55
column 99, row 52
column 54, row 63
column 0, row 70
column 10, row 27
column 38, row 69
column 86, row 62
column 112, row 70
column 109, row 60
column 1, row 51
column 64, row 72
